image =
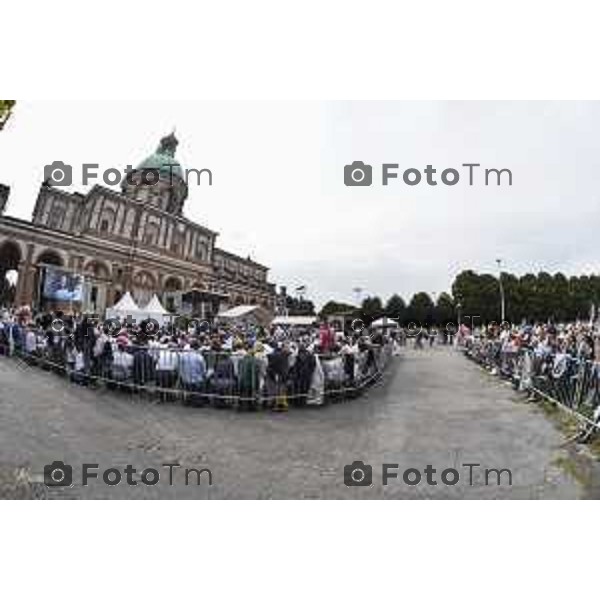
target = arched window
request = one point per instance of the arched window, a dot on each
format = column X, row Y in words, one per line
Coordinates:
column 172, row 284
column 49, row 257
column 97, row 270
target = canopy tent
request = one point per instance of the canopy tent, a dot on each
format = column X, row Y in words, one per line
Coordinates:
column 154, row 309
column 384, row 322
column 244, row 313
column 126, row 306
column 237, row 311
column 295, row 320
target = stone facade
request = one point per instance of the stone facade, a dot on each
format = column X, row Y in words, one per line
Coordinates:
column 137, row 240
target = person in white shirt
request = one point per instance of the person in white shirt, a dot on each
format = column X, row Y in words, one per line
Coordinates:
column 122, row 365
column 167, row 365
column 30, row 343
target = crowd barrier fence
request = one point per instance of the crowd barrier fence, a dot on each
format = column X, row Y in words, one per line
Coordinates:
column 570, row 382
column 221, row 379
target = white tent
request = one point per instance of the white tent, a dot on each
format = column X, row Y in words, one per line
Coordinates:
column 155, row 310
column 384, row 322
column 294, row 321
column 125, row 306
column 237, row 312
column 245, row 313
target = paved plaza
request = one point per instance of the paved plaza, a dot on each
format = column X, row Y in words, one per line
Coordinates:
column 432, row 407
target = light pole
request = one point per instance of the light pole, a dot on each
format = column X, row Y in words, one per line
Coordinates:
column 358, row 291
column 457, row 332
column 502, row 300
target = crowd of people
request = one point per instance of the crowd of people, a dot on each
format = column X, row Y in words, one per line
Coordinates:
column 247, row 366
column 548, row 342
column 423, row 336
column 557, row 361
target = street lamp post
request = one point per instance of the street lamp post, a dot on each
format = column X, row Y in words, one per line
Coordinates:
column 457, row 332
column 502, row 300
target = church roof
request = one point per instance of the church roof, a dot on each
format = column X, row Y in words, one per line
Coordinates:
column 164, row 158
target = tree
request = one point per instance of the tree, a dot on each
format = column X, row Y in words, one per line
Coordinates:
column 396, row 308
column 371, row 309
column 479, row 296
column 532, row 297
column 528, row 292
column 421, row 308
column 336, row 308
column 299, row 306
column 445, row 310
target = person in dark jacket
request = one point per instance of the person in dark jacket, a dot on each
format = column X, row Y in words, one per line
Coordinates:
column 143, row 366
column 301, row 375
column 249, row 381
column 349, row 363
column 223, row 381
column 277, row 375
column 85, row 338
column 4, row 345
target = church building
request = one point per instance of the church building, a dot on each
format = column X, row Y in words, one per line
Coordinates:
column 136, row 239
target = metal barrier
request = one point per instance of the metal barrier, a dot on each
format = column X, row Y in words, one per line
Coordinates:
column 208, row 377
column 570, row 382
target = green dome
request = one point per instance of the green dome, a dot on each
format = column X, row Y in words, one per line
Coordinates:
column 161, row 161
column 163, row 157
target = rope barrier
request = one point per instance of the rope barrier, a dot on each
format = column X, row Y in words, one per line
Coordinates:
column 179, row 389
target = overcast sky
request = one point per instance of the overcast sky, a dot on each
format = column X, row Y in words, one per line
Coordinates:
column 278, row 192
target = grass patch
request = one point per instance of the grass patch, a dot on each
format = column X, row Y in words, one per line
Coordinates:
column 594, row 445
column 566, row 423
column 575, row 467
column 579, row 461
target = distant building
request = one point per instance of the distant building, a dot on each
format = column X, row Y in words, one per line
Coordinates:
column 136, row 239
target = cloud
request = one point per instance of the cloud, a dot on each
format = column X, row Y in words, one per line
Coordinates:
column 278, row 190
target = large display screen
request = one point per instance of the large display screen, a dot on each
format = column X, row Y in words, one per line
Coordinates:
column 62, row 285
